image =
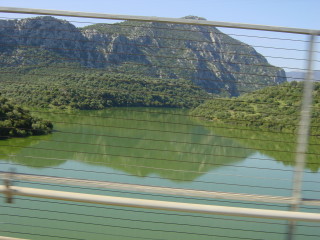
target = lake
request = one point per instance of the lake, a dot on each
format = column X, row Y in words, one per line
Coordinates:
column 158, row 147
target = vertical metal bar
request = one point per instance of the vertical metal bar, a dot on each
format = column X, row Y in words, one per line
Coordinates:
column 303, row 135
column 304, row 125
column 7, row 183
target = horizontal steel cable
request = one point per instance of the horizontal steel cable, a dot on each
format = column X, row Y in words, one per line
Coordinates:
column 180, row 124
column 267, row 65
column 126, row 219
column 135, row 228
column 139, row 75
column 217, row 200
column 140, row 64
column 234, row 120
column 157, row 27
column 151, row 139
column 154, row 79
column 189, row 225
column 211, row 135
column 174, row 170
column 179, row 48
column 162, row 66
column 171, row 114
column 166, row 95
column 179, row 197
column 239, row 43
column 157, row 194
column 223, row 127
column 41, row 235
column 147, row 139
column 167, row 131
column 120, row 174
column 60, row 159
column 168, row 83
column 175, row 114
column 134, row 192
column 211, row 227
column 89, row 40
column 177, row 151
column 163, row 195
column 143, row 211
column 212, row 98
column 153, row 159
column 66, row 229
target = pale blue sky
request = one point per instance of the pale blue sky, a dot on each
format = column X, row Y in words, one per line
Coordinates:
column 289, row 13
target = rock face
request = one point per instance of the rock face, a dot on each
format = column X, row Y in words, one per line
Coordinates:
column 204, row 55
column 46, row 39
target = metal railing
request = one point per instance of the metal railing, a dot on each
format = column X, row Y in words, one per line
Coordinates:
column 295, row 200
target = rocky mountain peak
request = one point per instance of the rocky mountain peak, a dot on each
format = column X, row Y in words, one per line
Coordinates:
column 201, row 54
column 194, row 17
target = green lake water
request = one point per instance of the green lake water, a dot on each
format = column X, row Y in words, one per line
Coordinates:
column 158, row 147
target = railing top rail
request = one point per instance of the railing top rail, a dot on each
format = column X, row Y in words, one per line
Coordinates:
column 161, row 205
column 156, row 189
column 160, row 19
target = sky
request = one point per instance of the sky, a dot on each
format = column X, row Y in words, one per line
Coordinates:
column 287, row 13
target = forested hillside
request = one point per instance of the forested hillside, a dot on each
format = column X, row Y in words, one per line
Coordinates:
column 17, row 122
column 275, row 108
column 95, row 89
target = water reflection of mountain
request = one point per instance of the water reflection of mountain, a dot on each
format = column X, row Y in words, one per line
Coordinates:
column 18, row 150
column 280, row 146
column 140, row 142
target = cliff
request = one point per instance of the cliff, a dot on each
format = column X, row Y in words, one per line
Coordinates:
column 204, row 55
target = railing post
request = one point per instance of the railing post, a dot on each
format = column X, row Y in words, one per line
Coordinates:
column 7, row 183
column 303, row 135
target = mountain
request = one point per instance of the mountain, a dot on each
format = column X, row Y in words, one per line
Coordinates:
column 200, row 54
column 299, row 76
column 276, row 108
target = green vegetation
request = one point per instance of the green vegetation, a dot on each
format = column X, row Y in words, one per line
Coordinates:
column 274, row 108
column 278, row 145
column 72, row 87
column 17, row 122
